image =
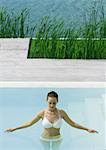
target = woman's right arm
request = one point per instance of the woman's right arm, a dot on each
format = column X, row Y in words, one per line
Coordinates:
column 27, row 124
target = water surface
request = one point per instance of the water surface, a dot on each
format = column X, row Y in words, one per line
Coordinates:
column 85, row 106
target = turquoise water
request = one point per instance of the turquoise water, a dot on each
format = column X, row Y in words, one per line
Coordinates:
column 83, row 105
column 69, row 10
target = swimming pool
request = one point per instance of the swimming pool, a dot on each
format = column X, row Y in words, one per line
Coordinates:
column 86, row 106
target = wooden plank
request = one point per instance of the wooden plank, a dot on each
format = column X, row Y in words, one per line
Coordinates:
column 14, row 66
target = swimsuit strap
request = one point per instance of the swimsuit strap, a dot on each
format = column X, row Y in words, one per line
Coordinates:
column 44, row 114
column 59, row 113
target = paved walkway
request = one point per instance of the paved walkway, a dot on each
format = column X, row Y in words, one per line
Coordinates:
column 14, row 66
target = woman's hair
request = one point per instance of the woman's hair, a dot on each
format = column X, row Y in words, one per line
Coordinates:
column 52, row 94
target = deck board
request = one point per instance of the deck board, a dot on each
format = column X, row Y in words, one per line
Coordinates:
column 14, row 66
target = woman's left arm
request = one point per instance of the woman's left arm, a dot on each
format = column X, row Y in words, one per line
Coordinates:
column 74, row 124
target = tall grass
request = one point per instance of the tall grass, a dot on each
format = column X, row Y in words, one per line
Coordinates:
column 94, row 24
column 15, row 25
column 70, row 49
column 52, row 38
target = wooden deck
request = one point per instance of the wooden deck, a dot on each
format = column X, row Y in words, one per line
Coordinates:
column 14, row 66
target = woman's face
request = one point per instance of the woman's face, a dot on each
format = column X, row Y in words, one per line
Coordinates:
column 52, row 101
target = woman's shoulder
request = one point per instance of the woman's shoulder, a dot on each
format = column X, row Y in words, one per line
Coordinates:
column 61, row 111
column 41, row 113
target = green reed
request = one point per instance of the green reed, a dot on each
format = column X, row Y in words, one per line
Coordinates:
column 15, row 25
column 55, row 40
column 52, row 38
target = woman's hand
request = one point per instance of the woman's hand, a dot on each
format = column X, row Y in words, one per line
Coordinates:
column 92, row 131
column 10, row 130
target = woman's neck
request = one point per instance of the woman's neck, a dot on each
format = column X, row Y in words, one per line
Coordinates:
column 52, row 110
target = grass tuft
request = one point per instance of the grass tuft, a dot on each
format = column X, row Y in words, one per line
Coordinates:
column 52, row 38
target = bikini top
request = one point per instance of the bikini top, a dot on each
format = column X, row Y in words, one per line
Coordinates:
column 47, row 124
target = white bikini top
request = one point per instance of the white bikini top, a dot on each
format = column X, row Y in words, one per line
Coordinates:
column 47, row 124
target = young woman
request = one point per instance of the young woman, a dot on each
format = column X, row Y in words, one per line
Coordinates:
column 51, row 121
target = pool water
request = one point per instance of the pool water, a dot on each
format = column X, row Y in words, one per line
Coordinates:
column 86, row 106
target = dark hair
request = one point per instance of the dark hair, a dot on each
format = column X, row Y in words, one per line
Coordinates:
column 52, row 94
